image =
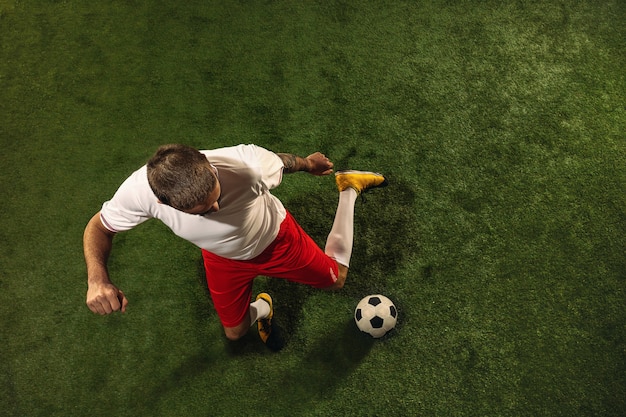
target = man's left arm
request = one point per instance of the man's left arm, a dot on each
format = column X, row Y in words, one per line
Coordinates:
column 315, row 164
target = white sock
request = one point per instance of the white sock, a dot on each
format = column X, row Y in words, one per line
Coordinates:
column 260, row 309
column 341, row 236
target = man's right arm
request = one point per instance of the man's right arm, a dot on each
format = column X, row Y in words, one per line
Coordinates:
column 315, row 164
column 102, row 296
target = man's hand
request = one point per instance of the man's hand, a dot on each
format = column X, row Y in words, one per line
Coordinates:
column 105, row 298
column 102, row 296
column 318, row 164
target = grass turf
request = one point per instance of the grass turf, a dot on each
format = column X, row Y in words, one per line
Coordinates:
column 501, row 126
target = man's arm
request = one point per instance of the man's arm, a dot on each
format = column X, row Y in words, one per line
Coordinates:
column 315, row 164
column 102, row 296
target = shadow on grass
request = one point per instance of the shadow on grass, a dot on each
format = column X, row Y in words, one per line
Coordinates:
column 382, row 243
column 334, row 356
column 324, row 367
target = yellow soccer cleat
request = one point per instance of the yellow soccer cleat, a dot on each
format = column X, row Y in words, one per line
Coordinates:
column 360, row 181
column 269, row 333
column 265, row 325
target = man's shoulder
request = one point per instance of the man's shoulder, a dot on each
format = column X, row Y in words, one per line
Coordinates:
column 241, row 151
column 137, row 178
column 240, row 156
column 136, row 187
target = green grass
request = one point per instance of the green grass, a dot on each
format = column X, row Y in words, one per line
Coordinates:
column 501, row 127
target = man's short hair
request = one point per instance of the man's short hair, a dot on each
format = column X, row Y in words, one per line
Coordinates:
column 180, row 176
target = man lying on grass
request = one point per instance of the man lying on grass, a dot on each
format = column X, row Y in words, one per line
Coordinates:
column 220, row 200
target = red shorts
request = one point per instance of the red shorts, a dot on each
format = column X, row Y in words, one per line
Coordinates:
column 293, row 256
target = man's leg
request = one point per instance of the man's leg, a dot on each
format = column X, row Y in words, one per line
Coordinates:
column 230, row 285
column 259, row 311
column 341, row 237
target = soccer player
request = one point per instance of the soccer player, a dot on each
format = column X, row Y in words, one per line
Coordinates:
column 220, row 200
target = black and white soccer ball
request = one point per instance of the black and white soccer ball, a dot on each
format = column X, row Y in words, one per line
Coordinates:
column 375, row 315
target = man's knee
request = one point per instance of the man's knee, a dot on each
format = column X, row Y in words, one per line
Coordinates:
column 336, row 286
column 237, row 332
column 341, row 278
column 232, row 334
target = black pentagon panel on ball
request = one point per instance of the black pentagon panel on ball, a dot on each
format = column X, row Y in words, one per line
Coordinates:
column 358, row 315
column 393, row 311
column 374, row 301
column 377, row 322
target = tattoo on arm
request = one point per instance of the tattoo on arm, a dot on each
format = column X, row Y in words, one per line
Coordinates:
column 292, row 163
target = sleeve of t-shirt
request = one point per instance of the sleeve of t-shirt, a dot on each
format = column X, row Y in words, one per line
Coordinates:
column 272, row 167
column 125, row 210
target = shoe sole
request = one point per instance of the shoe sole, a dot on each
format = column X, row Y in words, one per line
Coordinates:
column 354, row 171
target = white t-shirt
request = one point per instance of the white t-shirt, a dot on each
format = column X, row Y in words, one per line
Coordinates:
column 249, row 217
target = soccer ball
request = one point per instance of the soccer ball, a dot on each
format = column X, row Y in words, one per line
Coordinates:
column 375, row 315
